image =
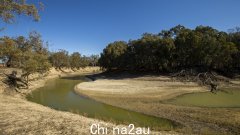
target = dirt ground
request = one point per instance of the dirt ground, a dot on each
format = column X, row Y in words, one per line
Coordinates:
column 144, row 94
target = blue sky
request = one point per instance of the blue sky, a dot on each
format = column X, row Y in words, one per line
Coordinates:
column 88, row 26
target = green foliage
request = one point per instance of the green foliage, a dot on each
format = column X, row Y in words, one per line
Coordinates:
column 112, row 56
column 234, row 37
column 9, row 51
column 150, row 53
column 93, row 60
column 175, row 49
column 75, row 60
column 85, row 61
column 30, row 54
column 60, row 59
column 10, row 8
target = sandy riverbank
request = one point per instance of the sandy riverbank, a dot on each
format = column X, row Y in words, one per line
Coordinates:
column 159, row 88
column 18, row 116
column 144, row 94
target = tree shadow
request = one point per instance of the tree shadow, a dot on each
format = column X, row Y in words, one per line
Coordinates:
column 76, row 77
column 119, row 75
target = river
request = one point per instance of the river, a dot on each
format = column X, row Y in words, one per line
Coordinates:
column 59, row 94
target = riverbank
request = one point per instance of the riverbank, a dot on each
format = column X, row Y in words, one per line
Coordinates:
column 145, row 93
column 19, row 116
column 37, row 80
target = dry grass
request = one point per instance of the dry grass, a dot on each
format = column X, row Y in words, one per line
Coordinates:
column 18, row 116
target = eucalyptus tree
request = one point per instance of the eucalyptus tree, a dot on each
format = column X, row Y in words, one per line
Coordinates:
column 9, row 52
column 75, row 60
column 203, row 48
column 10, row 8
column 234, row 36
column 113, row 55
column 60, row 59
column 94, row 60
column 29, row 54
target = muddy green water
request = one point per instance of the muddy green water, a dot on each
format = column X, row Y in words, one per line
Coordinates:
column 59, row 94
column 228, row 98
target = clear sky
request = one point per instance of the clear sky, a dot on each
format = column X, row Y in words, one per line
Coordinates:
column 88, row 26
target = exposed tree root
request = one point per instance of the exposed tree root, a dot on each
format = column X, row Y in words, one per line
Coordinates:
column 16, row 82
column 210, row 79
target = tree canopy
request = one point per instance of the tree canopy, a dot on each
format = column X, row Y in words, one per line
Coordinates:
column 10, row 8
column 113, row 55
column 29, row 54
column 179, row 48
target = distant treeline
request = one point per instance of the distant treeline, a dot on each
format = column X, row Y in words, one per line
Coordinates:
column 31, row 54
column 179, row 48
